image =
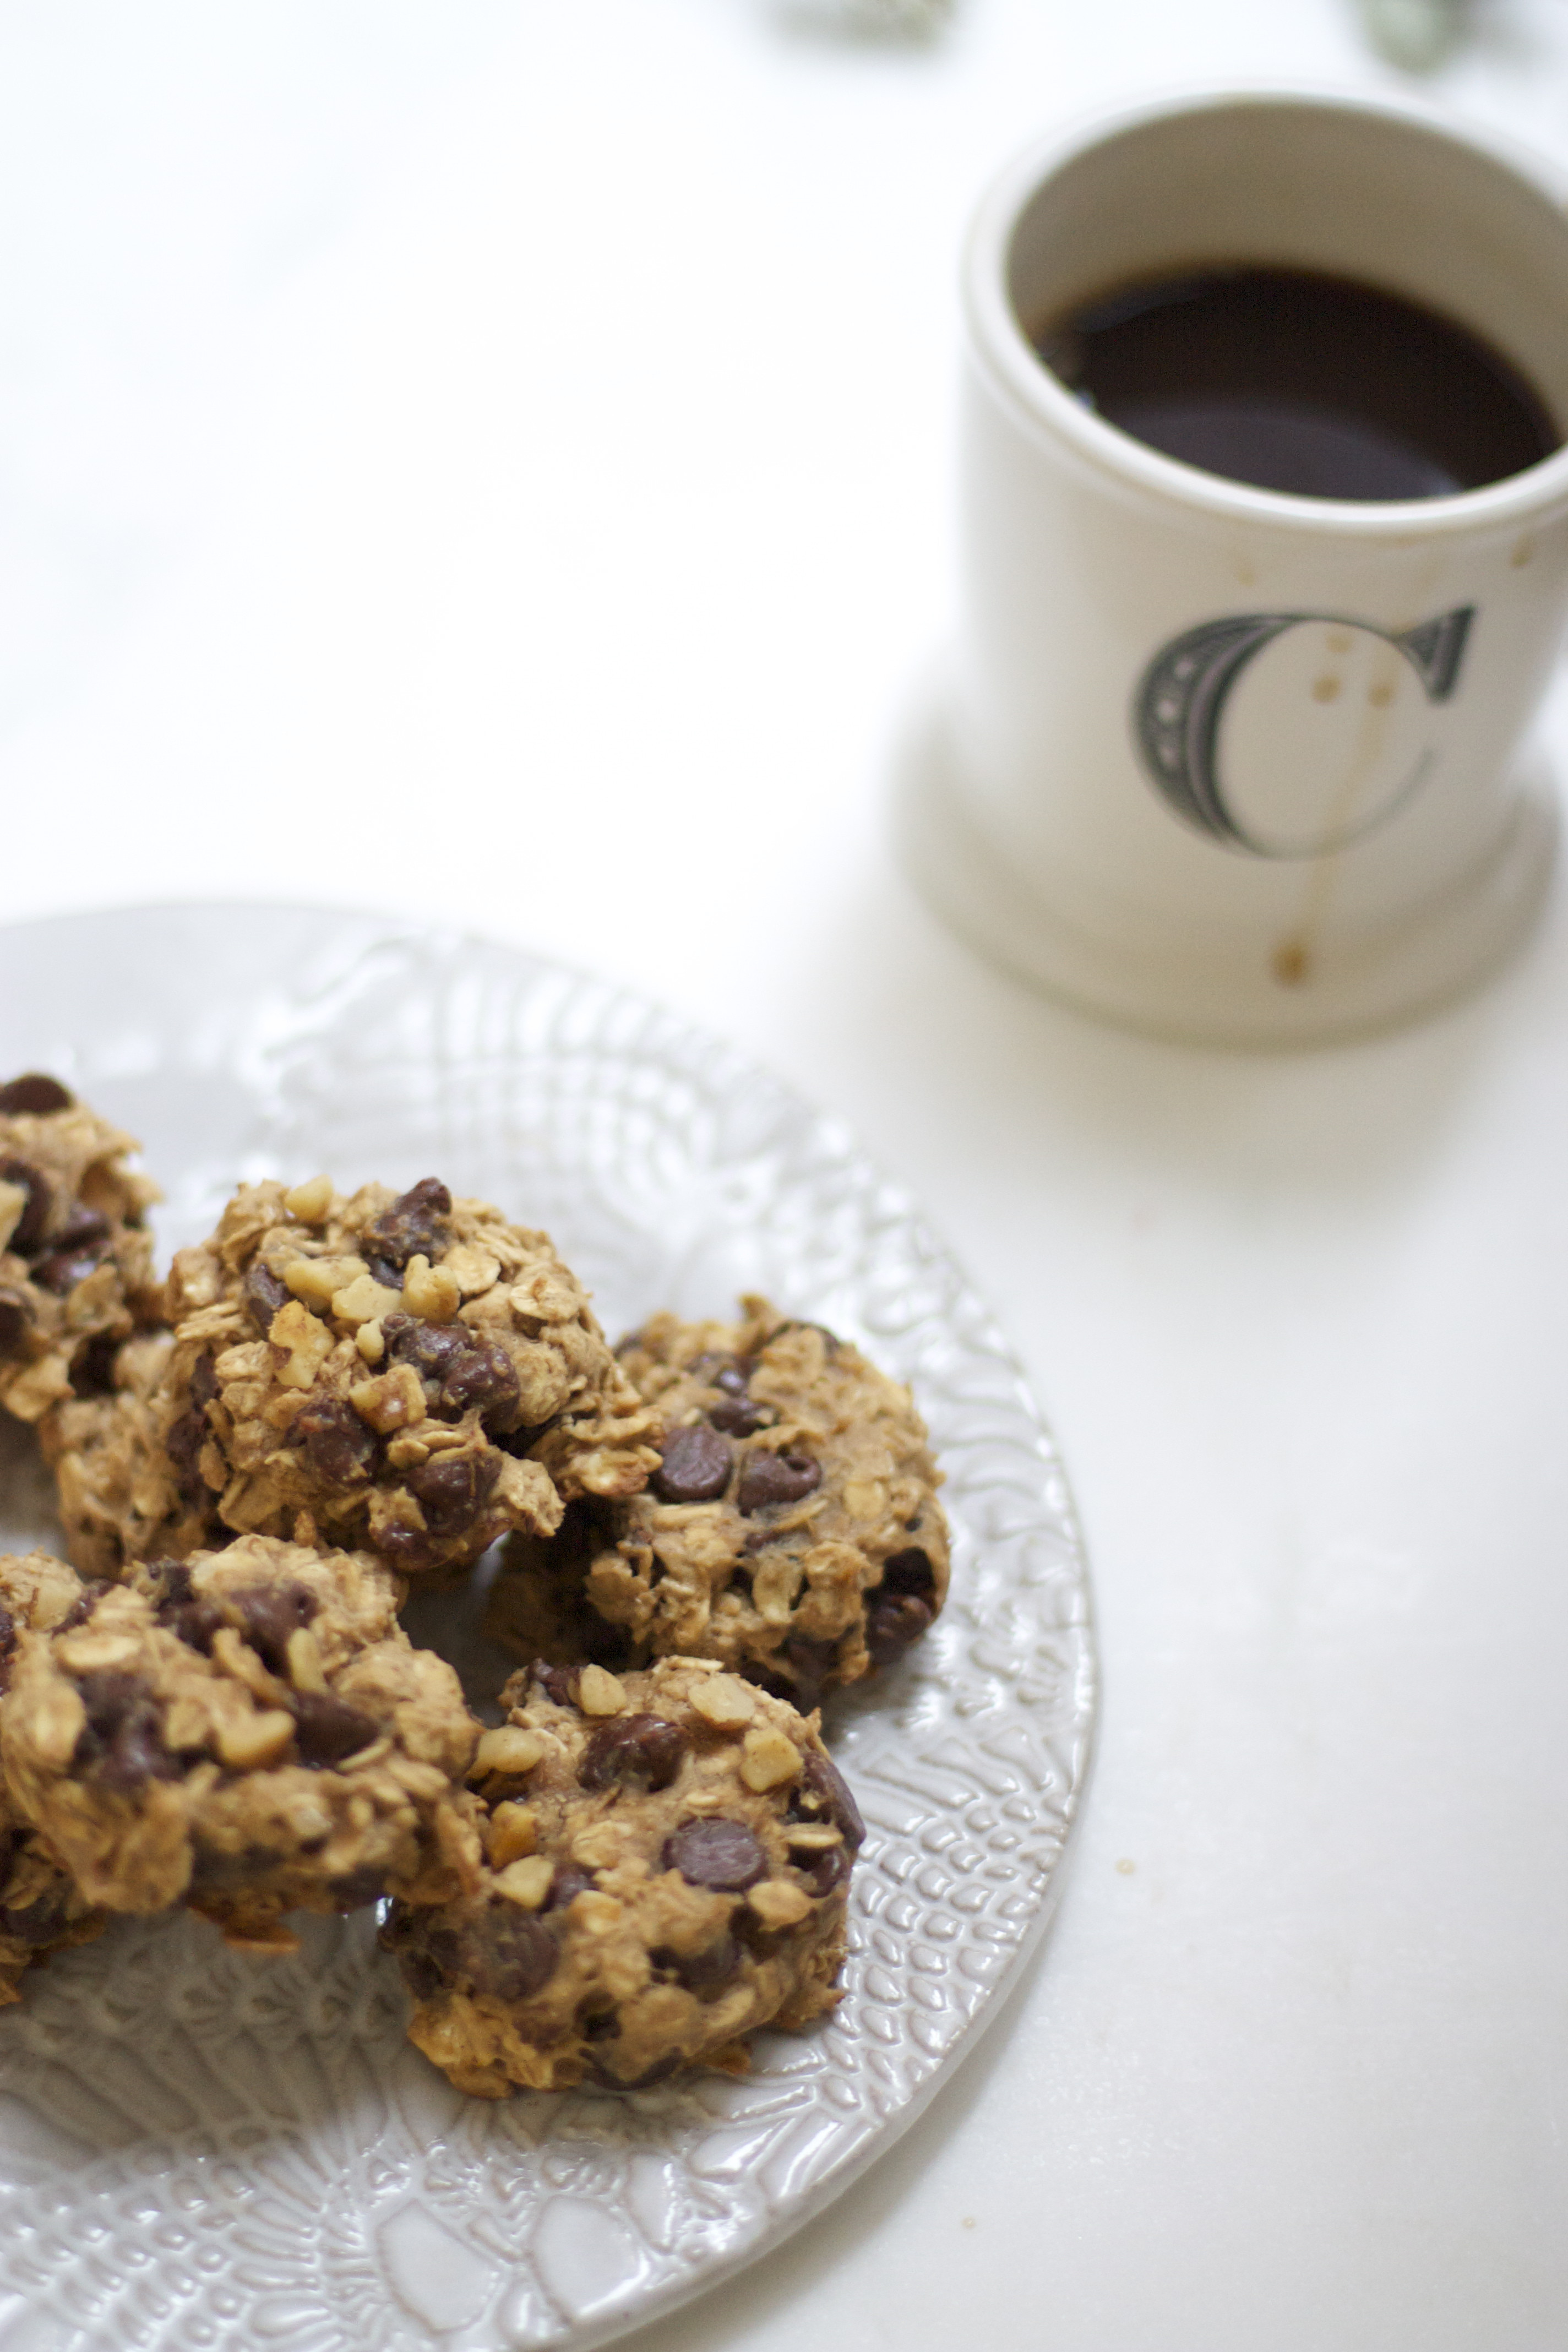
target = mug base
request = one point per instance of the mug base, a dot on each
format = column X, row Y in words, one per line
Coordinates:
column 1225, row 997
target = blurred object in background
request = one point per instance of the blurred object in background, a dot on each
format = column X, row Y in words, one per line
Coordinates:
column 870, row 20
column 1416, row 34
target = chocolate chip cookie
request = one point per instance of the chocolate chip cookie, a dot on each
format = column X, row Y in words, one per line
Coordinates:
column 40, row 1910
column 407, row 1373
column 791, row 1532
column 249, row 1733
column 76, row 1257
column 667, row 1860
column 121, row 1494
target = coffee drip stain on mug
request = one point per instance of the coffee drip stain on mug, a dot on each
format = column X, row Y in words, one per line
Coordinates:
column 1292, row 959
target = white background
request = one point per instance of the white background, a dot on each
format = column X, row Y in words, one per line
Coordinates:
column 494, row 459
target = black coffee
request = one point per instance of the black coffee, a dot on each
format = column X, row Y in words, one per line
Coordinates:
column 1305, row 382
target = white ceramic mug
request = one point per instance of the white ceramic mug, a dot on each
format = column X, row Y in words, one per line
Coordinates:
column 1214, row 761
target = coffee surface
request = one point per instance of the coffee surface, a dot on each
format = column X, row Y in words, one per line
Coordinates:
column 1301, row 382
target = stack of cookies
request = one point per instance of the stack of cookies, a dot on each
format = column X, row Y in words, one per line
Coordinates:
column 336, row 1400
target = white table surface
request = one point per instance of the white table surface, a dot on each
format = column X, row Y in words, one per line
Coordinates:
column 494, row 460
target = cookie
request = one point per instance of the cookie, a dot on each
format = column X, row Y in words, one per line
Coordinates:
column 76, row 1257
column 40, row 1910
column 120, row 1495
column 406, row 1374
column 792, row 1530
column 248, row 1733
column 667, row 1864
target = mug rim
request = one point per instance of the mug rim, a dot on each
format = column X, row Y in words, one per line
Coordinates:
column 1016, row 370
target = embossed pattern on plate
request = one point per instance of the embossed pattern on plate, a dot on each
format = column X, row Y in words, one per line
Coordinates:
column 198, row 2149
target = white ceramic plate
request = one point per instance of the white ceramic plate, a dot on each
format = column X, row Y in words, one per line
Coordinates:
column 198, row 2149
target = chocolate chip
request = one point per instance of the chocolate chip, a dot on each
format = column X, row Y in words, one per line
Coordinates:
column 410, row 1551
column 338, row 1448
column 567, row 1884
column 421, row 1974
column 182, row 1443
column 695, row 1467
column 809, row 1664
column 265, row 1295
column 510, row 1956
column 702, row 1973
column 78, row 1247
column 122, row 1739
column 892, row 1625
column 81, row 1226
column 382, row 1270
column 503, row 1952
column 415, row 1225
column 15, row 1324
column 186, row 1614
column 86, row 1602
column 27, row 1233
column 559, row 1683
column 353, row 1889
column 824, row 1873
column 174, row 1582
column 754, row 1936
column 429, row 1347
column 41, row 1922
column 92, row 1366
column 451, row 1488
column 327, row 1728
column 909, row 1571
column 203, row 1382
column 772, row 1478
column 483, row 1375
column 641, row 1751
column 183, row 1610
column 738, row 1416
column 61, row 1271
column 716, row 1853
column 458, row 1369
column 270, row 1613
column 109, row 1699
column 823, row 1791
column 734, row 1377
column 34, row 1093
column 196, row 1625
column 7, row 1631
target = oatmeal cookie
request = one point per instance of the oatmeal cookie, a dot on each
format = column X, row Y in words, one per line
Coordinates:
column 792, row 1530
column 76, row 1258
column 248, row 1733
column 667, row 1864
column 121, row 1493
column 40, row 1910
column 408, row 1374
